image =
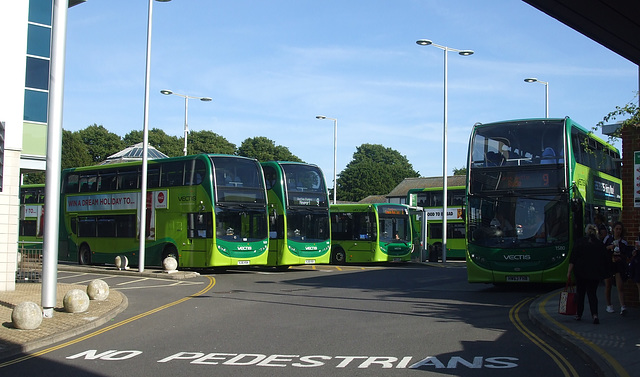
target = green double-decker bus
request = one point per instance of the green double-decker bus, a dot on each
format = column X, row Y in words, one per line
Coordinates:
column 204, row 210
column 429, row 199
column 362, row 233
column 31, row 223
column 298, row 202
column 532, row 187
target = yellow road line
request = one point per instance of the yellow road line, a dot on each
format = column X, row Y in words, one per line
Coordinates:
column 565, row 366
column 212, row 282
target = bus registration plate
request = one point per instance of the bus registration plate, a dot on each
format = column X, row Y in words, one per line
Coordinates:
column 243, row 262
column 310, row 261
column 518, row 278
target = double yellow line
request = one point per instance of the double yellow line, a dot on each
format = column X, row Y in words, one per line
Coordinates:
column 565, row 366
column 212, row 282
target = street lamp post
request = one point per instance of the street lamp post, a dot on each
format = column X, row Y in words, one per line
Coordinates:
column 546, row 94
column 145, row 141
column 186, row 110
column 427, row 42
column 335, row 152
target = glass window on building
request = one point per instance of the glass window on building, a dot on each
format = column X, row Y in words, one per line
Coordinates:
column 40, row 11
column 37, row 76
column 35, row 106
column 39, row 41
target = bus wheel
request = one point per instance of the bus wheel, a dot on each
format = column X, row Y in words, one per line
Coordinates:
column 169, row 251
column 84, row 254
column 338, row 256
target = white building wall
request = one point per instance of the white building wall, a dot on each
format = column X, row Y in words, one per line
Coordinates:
column 13, row 49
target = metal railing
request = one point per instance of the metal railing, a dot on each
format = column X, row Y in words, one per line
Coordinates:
column 29, row 263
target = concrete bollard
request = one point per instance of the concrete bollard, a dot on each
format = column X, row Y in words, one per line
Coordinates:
column 98, row 290
column 170, row 264
column 122, row 262
column 76, row 301
column 26, row 315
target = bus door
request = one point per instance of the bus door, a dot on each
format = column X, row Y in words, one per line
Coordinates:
column 365, row 238
column 200, row 234
column 66, row 245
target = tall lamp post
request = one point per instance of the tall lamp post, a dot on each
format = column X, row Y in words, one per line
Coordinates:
column 145, row 141
column 186, row 110
column 427, row 42
column 546, row 94
column 335, row 152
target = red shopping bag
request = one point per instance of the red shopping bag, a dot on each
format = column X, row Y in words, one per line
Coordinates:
column 567, row 305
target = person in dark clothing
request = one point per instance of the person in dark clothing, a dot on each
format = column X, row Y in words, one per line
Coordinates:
column 619, row 254
column 588, row 263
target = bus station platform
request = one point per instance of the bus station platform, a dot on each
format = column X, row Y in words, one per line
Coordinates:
column 62, row 325
column 611, row 347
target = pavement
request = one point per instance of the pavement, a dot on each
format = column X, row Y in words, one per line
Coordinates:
column 612, row 346
column 63, row 325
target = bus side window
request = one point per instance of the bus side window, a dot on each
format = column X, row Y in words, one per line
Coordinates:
column 153, row 177
column 128, row 179
column 71, row 185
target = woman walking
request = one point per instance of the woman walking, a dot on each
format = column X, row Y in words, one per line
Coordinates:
column 588, row 263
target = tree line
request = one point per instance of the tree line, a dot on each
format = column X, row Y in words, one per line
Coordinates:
column 373, row 170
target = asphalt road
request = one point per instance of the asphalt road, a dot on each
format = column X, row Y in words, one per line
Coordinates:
column 394, row 320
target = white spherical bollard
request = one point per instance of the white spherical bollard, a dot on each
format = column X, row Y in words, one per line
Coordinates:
column 26, row 315
column 170, row 264
column 76, row 301
column 98, row 290
column 122, row 262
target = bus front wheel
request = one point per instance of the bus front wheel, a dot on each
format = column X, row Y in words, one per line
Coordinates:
column 338, row 256
column 84, row 254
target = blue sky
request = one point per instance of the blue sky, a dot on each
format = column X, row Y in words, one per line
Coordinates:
column 272, row 66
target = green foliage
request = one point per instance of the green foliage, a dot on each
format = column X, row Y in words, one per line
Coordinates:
column 460, row 171
column 264, row 149
column 169, row 145
column 74, row 151
column 100, row 142
column 33, row 177
column 208, row 142
column 631, row 111
column 374, row 170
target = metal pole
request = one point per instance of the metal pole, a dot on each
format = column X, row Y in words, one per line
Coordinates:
column 546, row 100
column 54, row 153
column 444, row 163
column 335, row 158
column 186, row 127
column 145, row 148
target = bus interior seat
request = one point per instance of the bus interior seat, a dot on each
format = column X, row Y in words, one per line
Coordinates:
column 493, row 159
column 548, row 156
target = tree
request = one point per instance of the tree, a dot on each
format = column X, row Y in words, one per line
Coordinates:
column 459, row 171
column 169, row 145
column 374, row 170
column 74, row 151
column 264, row 149
column 100, row 142
column 208, row 142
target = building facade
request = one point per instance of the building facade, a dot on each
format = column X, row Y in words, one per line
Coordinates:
column 24, row 74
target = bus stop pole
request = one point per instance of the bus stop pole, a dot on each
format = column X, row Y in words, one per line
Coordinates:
column 145, row 148
column 423, row 233
column 54, row 153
